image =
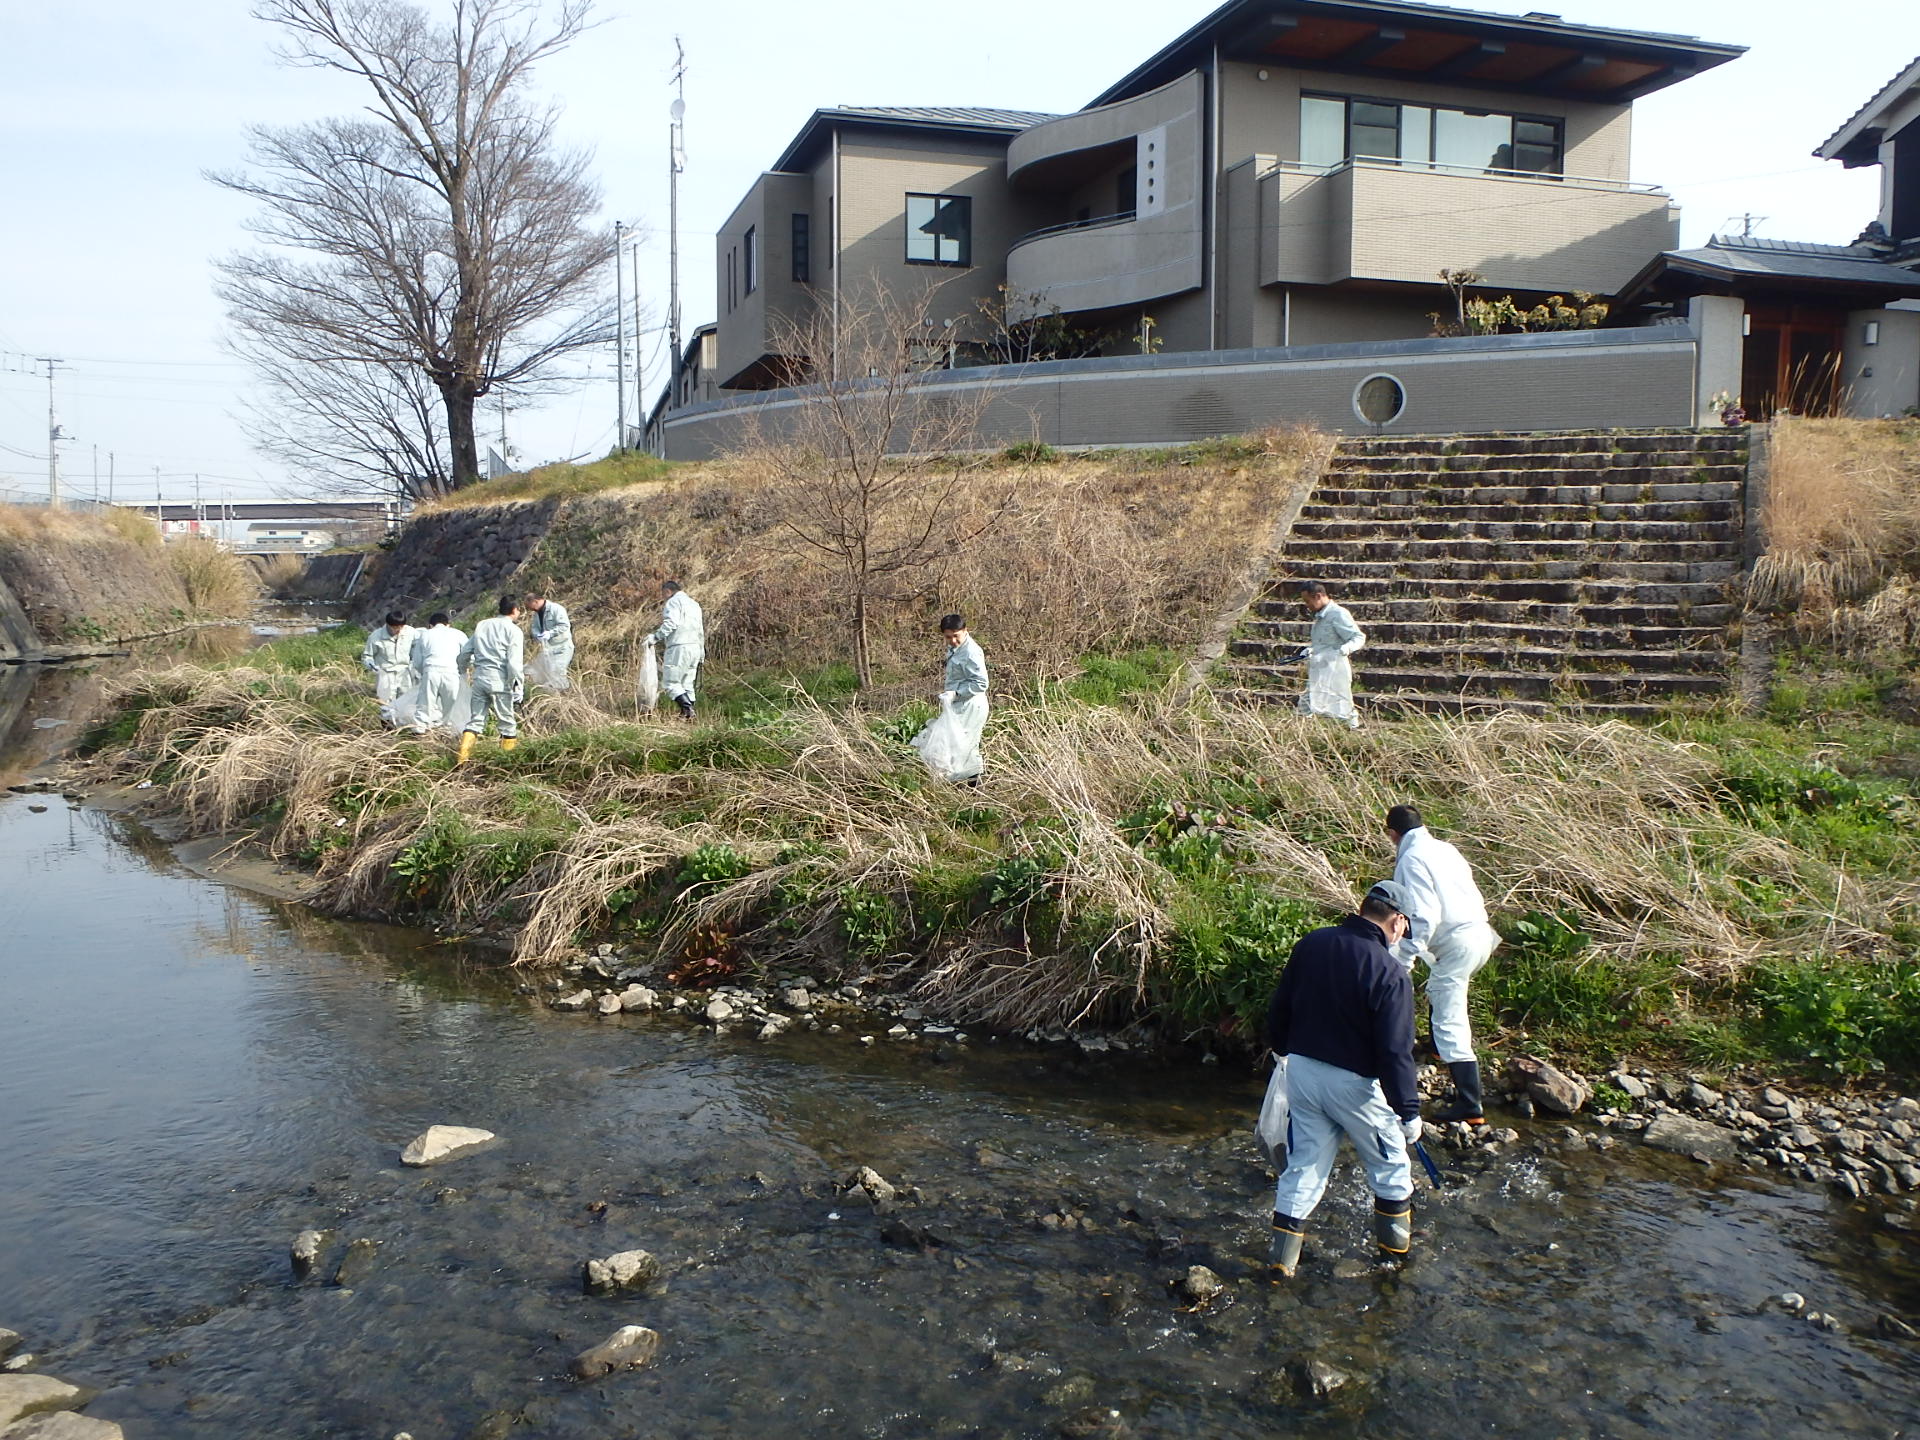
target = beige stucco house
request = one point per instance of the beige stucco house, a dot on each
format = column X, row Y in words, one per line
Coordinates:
column 1286, row 173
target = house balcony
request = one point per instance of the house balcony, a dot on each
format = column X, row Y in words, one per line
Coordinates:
column 1380, row 220
column 1096, row 264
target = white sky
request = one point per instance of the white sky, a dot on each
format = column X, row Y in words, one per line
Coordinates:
column 110, row 110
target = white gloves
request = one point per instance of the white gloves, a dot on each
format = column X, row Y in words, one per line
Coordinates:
column 519, row 691
column 1412, row 1129
column 945, row 697
column 649, row 639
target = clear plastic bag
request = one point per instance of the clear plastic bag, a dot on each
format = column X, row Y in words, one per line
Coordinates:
column 547, row 671
column 950, row 742
column 649, row 684
column 1271, row 1128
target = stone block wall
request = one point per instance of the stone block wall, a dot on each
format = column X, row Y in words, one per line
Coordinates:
column 455, row 560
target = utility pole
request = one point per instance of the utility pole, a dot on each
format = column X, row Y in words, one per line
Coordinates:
column 639, row 379
column 677, row 161
column 54, row 437
column 109, row 477
column 620, row 338
column 159, row 505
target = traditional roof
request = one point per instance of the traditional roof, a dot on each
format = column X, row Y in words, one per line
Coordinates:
column 1858, row 141
column 962, row 120
column 1744, row 264
column 1536, row 53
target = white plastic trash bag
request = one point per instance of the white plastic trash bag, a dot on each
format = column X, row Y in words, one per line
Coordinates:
column 406, row 708
column 547, row 671
column 950, row 742
column 649, row 684
column 1271, row 1128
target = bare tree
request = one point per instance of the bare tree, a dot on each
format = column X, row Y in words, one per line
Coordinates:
column 447, row 235
column 375, row 429
column 869, row 471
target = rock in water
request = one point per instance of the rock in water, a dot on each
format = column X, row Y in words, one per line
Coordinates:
column 1201, row 1284
column 1316, row 1379
column 578, row 1000
column 356, row 1263
column 1546, row 1086
column 1684, row 1136
column 305, row 1252
column 719, row 1011
column 869, row 1183
column 64, row 1425
column 608, row 1004
column 24, row 1395
column 629, row 1348
column 638, row 997
column 628, row 1270
column 444, row 1142
column 10, row 1341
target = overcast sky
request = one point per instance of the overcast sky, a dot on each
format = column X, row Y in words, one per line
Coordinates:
column 111, row 110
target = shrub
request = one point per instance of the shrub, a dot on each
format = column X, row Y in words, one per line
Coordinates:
column 219, row 584
column 1847, row 1015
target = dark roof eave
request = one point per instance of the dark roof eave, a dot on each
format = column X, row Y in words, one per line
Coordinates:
column 1643, row 285
column 814, row 131
column 1684, row 55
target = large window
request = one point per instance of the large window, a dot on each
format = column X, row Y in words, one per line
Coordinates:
column 1334, row 129
column 750, row 261
column 802, row 248
column 939, row 230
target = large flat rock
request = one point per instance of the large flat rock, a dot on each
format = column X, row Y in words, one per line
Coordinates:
column 24, row 1395
column 63, row 1425
column 438, row 1143
column 1684, row 1136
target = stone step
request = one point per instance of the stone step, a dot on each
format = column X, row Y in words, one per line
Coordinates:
column 1560, row 636
column 1318, row 554
column 1519, row 527
column 1394, row 491
column 1443, row 603
column 1467, row 657
column 1520, row 684
column 1336, row 574
column 1387, row 704
column 1560, row 441
column 1418, row 507
column 1712, row 464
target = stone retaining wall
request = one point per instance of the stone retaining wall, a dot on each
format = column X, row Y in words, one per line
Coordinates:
column 454, row 560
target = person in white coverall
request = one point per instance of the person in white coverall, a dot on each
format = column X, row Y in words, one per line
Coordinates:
column 388, row 653
column 682, row 637
column 966, row 693
column 497, row 654
column 1333, row 638
column 1342, row 1016
column 1447, row 927
column 436, row 660
column 553, row 628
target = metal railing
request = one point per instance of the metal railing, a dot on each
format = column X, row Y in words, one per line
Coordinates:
column 1095, row 222
column 1472, row 172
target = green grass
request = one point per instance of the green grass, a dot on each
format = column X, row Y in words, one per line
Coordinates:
column 549, row 482
column 299, row 653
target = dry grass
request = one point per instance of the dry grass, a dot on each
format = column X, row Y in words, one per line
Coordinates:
column 218, row 583
column 1614, row 826
column 1842, row 517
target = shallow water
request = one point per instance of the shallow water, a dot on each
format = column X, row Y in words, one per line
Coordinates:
column 190, row 1075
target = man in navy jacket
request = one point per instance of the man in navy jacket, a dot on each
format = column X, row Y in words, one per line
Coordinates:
column 1343, row 1018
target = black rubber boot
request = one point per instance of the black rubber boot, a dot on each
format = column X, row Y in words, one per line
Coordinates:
column 1393, row 1225
column 1283, row 1254
column 686, row 706
column 1466, row 1104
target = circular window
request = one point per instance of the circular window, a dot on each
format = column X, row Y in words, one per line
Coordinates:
column 1379, row 399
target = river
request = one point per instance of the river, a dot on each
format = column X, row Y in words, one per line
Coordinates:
column 191, row 1074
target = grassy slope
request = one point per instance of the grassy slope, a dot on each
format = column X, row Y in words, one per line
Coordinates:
column 1718, row 887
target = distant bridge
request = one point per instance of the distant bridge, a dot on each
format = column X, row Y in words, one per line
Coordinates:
column 268, row 510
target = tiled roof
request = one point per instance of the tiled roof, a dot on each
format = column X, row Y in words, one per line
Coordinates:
column 1909, row 76
column 1794, row 260
column 948, row 115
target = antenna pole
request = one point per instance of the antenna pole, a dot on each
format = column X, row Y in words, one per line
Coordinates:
column 620, row 339
column 677, row 153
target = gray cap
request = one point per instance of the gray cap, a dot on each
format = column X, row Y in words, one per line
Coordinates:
column 1393, row 893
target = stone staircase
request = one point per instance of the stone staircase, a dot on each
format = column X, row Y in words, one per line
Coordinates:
column 1532, row 572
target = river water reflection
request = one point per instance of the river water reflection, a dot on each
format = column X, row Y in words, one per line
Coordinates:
column 189, row 1075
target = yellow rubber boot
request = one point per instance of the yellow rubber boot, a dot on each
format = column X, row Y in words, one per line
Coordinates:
column 467, row 741
column 509, row 742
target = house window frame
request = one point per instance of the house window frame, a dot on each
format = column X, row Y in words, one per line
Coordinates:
column 750, row 261
column 802, row 249
column 965, row 245
column 1557, row 123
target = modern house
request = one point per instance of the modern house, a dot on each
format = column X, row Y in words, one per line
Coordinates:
column 1822, row 328
column 1286, row 173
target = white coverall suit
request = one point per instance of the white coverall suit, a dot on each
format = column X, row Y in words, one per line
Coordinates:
column 497, row 652
column 436, row 659
column 553, row 628
column 1329, row 689
column 966, row 695
column 682, row 637
column 389, row 655
column 1448, row 925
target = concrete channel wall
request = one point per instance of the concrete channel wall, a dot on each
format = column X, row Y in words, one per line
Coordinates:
column 1590, row 379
